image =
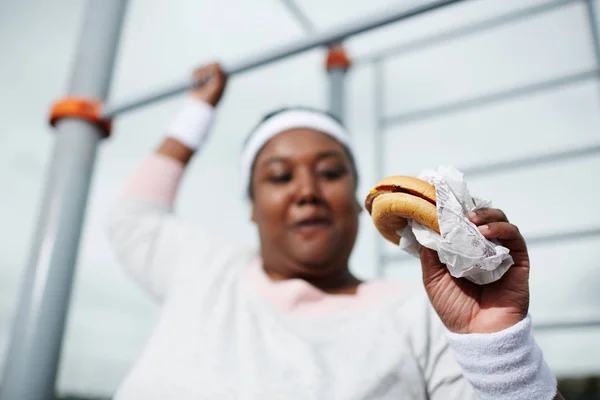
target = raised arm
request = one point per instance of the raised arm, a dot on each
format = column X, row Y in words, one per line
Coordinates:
column 145, row 235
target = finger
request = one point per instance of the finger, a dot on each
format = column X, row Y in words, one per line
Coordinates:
column 218, row 68
column 203, row 80
column 500, row 230
column 429, row 256
column 213, row 69
column 216, row 71
column 432, row 268
column 486, row 215
column 204, row 73
column 508, row 235
column 200, row 72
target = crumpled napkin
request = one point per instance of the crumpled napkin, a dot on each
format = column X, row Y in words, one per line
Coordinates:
column 460, row 245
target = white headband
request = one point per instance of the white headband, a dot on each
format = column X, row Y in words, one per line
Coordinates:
column 285, row 121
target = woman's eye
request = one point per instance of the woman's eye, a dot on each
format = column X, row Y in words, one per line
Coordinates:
column 280, row 178
column 333, row 173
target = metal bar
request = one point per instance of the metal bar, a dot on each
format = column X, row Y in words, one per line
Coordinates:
column 324, row 38
column 519, row 163
column 564, row 236
column 34, row 351
column 378, row 102
column 553, row 326
column 458, row 33
column 593, row 21
column 497, row 97
column 302, row 19
column 533, row 240
column 336, row 91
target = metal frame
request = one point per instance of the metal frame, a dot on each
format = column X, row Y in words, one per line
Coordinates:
column 549, row 238
column 40, row 319
column 379, row 95
column 376, row 59
column 302, row 19
column 337, row 86
column 336, row 76
column 335, row 35
column 488, row 99
column 457, row 33
column 383, row 122
column 38, row 328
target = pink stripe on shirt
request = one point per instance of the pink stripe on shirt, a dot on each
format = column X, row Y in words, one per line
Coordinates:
column 296, row 296
column 157, row 180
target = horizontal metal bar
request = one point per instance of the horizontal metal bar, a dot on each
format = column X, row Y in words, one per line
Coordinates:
column 564, row 236
column 533, row 240
column 461, row 32
column 334, row 35
column 552, row 326
column 516, row 164
column 531, row 161
column 483, row 100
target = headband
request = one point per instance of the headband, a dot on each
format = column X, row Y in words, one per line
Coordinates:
column 284, row 121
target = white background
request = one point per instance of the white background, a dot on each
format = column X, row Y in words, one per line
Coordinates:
column 163, row 41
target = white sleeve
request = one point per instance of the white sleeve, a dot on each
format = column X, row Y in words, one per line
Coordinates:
column 149, row 241
column 442, row 374
column 152, row 244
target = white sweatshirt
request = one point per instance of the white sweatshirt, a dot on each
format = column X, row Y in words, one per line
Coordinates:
column 226, row 331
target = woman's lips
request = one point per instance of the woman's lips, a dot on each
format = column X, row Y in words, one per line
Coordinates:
column 311, row 225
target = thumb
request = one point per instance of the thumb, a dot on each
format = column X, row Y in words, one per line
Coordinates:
column 429, row 256
column 431, row 266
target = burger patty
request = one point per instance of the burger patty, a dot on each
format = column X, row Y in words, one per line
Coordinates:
column 392, row 189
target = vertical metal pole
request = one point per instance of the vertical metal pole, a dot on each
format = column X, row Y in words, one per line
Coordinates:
column 337, row 65
column 38, row 329
column 336, row 91
column 378, row 93
column 594, row 28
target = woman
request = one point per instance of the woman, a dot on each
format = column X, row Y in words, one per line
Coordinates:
column 293, row 322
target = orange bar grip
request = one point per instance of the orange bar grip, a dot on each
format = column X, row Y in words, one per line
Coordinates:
column 337, row 58
column 82, row 108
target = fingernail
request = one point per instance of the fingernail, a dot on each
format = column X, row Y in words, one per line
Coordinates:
column 483, row 228
column 471, row 215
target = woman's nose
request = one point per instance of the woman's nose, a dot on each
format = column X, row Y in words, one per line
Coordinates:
column 308, row 190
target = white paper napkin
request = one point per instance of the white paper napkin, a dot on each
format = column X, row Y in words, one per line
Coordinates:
column 460, row 245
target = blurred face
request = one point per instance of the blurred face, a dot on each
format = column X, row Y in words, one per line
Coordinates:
column 304, row 204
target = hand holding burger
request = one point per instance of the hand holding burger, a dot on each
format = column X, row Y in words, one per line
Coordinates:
column 488, row 326
column 463, row 306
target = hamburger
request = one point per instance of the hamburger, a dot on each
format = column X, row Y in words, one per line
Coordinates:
column 396, row 199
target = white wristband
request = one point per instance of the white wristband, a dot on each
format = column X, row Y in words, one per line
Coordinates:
column 504, row 365
column 192, row 124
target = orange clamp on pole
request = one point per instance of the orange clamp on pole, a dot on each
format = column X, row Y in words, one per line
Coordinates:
column 82, row 108
column 337, row 58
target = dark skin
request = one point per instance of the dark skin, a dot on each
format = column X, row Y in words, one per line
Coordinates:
column 305, row 209
column 304, row 176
